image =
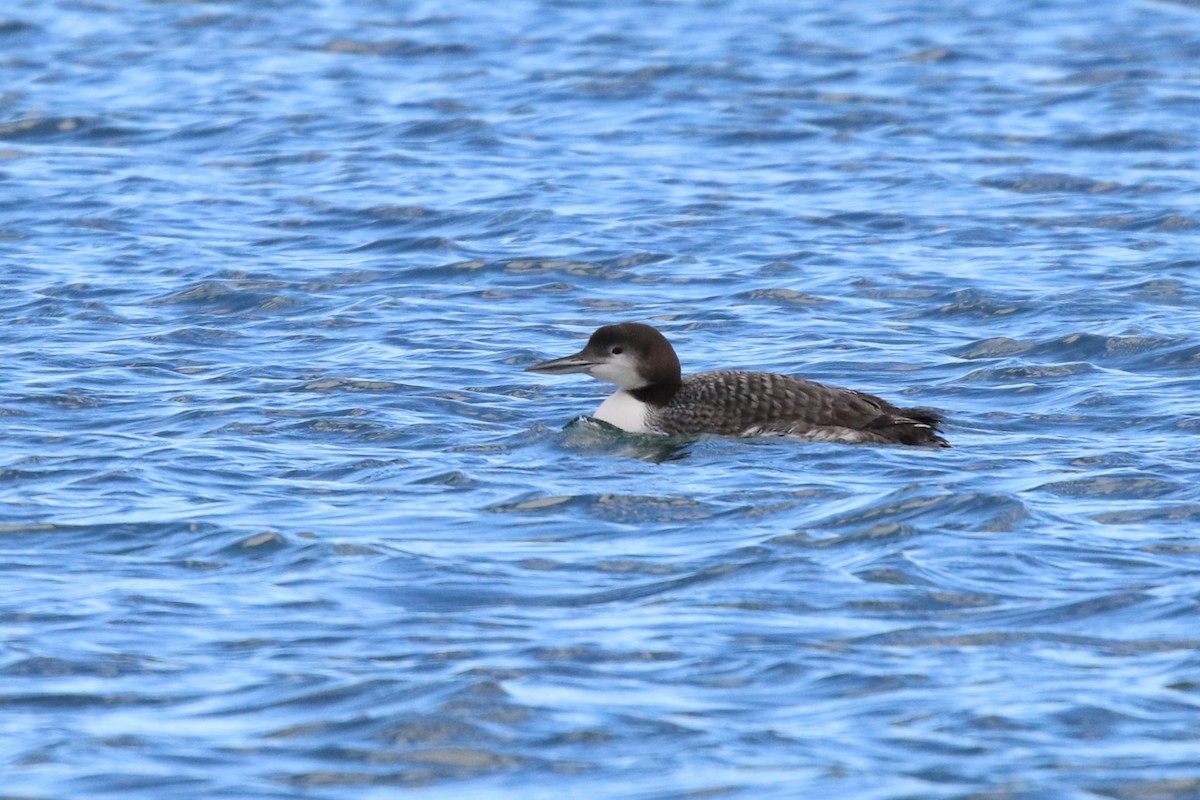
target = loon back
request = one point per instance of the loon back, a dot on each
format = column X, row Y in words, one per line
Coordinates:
column 737, row 403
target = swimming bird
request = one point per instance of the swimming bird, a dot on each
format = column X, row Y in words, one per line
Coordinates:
column 655, row 397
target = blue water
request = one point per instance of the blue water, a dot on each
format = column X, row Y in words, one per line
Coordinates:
column 283, row 517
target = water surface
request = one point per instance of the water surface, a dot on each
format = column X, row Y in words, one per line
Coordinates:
column 283, row 517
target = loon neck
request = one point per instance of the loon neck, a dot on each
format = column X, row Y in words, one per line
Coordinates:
column 657, row 394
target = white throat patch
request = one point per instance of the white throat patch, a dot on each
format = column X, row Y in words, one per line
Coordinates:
column 621, row 370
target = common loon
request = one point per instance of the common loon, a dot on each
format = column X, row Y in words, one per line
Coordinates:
column 655, row 398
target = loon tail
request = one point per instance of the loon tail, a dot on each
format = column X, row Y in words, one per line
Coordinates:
column 911, row 426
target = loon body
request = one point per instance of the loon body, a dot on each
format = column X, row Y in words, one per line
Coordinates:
column 654, row 397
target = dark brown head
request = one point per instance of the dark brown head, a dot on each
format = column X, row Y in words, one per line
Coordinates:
column 634, row 356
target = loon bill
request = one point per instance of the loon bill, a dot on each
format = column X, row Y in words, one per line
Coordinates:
column 654, row 397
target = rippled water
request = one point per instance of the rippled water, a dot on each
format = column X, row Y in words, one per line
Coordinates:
column 283, row 517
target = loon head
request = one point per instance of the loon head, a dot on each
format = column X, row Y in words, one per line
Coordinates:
column 634, row 356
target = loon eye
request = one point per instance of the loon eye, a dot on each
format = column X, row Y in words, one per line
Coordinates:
column 616, row 351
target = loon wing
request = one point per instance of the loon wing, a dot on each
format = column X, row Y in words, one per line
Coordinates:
column 734, row 403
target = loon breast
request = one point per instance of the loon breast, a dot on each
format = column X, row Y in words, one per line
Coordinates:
column 624, row 411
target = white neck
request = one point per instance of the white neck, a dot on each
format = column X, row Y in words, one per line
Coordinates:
column 624, row 411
